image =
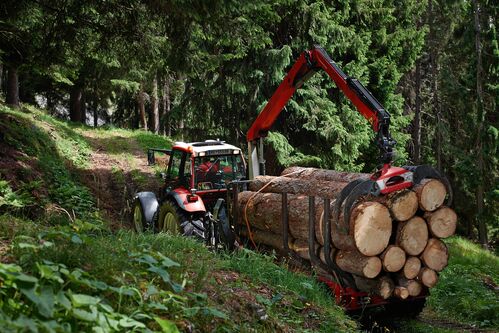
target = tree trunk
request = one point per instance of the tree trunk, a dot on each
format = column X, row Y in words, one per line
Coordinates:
column 356, row 263
column 393, row 258
column 263, row 211
column 142, row 107
column 442, row 223
column 155, row 105
column 416, row 130
column 96, row 114
column 12, row 97
column 401, row 292
column 382, row 286
column 435, row 255
column 428, row 277
column 75, row 103
column 167, row 106
column 413, row 287
column 411, row 268
column 321, row 174
column 371, row 226
column 431, row 194
column 412, row 235
column 482, row 227
column 312, row 187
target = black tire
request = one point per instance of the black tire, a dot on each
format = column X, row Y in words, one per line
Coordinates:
column 138, row 217
column 406, row 309
column 169, row 218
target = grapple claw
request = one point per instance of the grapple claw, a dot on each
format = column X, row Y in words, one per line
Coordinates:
column 341, row 197
column 366, row 187
column 421, row 172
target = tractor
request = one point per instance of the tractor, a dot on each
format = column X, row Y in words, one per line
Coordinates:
column 191, row 200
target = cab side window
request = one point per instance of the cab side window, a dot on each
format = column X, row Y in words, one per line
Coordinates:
column 175, row 163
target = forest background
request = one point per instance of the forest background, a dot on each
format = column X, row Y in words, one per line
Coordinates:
column 195, row 70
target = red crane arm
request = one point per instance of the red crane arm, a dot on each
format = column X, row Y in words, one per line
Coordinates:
column 307, row 65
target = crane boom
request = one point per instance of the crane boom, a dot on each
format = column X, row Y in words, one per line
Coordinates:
column 305, row 67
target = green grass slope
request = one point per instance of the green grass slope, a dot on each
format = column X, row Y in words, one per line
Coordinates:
column 63, row 268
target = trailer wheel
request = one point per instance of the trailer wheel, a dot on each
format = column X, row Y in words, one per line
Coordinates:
column 170, row 217
column 138, row 217
column 406, row 309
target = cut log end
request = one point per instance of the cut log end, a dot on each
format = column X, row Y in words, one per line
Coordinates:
column 372, row 227
column 403, row 205
column 428, row 277
column 442, row 222
column 356, row 263
column 401, row 292
column 435, row 255
column 431, row 194
column 412, row 235
column 413, row 287
column 412, row 267
column 393, row 258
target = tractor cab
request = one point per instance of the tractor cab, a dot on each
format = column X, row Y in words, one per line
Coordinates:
column 203, row 169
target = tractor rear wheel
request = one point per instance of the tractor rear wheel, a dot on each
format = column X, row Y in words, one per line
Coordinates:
column 138, row 217
column 170, row 217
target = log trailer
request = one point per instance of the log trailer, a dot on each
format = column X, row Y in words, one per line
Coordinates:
column 191, row 204
column 385, row 180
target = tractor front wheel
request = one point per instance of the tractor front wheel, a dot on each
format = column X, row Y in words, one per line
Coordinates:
column 170, row 217
column 138, row 218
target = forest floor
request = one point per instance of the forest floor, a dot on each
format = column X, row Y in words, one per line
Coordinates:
column 74, row 184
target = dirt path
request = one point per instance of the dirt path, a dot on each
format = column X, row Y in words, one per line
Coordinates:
column 118, row 169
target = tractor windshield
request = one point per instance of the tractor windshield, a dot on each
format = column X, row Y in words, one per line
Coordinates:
column 215, row 172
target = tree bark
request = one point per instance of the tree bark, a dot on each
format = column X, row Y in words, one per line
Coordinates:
column 12, row 97
column 155, row 105
column 382, row 286
column 431, row 194
column 412, row 235
column 142, row 107
column 167, row 106
column 322, row 174
column 356, row 263
column 416, row 130
column 75, row 103
column 435, row 255
column 480, row 190
column 442, row 222
column 312, row 187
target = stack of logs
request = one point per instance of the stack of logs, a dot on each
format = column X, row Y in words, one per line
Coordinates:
column 392, row 246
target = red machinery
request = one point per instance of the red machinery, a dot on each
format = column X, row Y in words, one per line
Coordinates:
column 387, row 179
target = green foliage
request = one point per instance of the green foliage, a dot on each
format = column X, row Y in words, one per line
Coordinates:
column 12, row 199
column 465, row 290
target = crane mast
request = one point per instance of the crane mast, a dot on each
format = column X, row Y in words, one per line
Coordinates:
column 304, row 68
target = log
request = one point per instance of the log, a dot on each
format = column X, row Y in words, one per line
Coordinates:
column 431, row 194
column 412, row 235
column 393, row 258
column 264, row 213
column 442, row 222
column 371, row 225
column 401, row 292
column 311, row 187
column 435, row 255
column 428, row 277
column 412, row 267
column 322, row 174
column 356, row 263
column 322, row 254
column 413, row 287
column 267, row 238
column 300, row 246
column 382, row 286
column 402, row 204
